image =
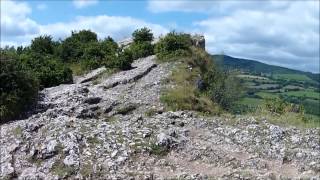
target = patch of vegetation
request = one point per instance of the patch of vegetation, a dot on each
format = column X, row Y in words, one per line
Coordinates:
column 305, row 93
column 126, row 109
column 93, row 140
column 173, row 46
column 199, row 84
column 86, row 170
column 158, row 150
column 17, row 132
column 151, row 112
column 297, row 77
column 104, row 75
column 18, row 90
column 141, row 46
column 288, row 119
column 34, row 160
column 60, row 169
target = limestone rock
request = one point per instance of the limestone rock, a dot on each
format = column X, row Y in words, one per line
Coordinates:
column 104, row 130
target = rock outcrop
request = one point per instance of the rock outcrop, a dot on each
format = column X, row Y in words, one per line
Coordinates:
column 116, row 128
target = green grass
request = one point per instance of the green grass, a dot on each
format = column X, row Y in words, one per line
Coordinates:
column 305, row 93
column 245, row 76
column 185, row 96
column 289, row 119
column 293, row 77
column 151, row 112
column 158, row 150
column 251, row 101
column 266, row 95
column 265, row 86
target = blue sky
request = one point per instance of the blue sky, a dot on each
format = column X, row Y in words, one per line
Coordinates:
column 276, row 32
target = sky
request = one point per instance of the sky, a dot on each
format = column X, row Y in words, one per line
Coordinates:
column 277, row 32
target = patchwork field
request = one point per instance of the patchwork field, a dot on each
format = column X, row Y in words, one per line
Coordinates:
column 290, row 87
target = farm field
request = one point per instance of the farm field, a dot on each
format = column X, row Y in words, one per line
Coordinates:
column 304, row 93
column 291, row 90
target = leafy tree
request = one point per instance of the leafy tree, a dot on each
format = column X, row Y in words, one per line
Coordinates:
column 18, row 90
column 141, row 49
column 141, row 46
column 49, row 70
column 84, row 36
column 142, row 35
column 109, row 45
column 72, row 48
column 42, row 45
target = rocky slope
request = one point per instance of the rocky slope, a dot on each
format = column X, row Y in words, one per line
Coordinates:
column 115, row 128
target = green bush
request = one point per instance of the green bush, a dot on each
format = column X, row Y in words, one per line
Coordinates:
column 173, row 45
column 18, row 90
column 124, row 60
column 141, row 49
column 48, row 70
column 42, row 45
column 222, row 87
column 280, row 106
column 142, row 35
column 72, row 48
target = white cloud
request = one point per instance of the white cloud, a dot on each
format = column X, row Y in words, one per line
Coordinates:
column 84, row 3
column 15, row 20
column 17, row 28
column 277, row 32
column 118, row 27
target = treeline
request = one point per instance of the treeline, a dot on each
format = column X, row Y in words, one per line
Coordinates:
column 200, row 84
column 47, row 63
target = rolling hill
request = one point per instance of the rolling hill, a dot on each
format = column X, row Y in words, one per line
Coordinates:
column 255, row 67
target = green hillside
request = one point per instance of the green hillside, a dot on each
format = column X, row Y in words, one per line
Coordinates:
column 255, row 67
column 263, row 81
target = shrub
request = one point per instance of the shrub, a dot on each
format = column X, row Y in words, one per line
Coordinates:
column 124, row 60
column 49, row 71
column 18, row 90
column 142, row 35
column 84, row 36
column 173, row 45
column 42, row 45
column 72, row 48
column 280, row 106
column 141, row 49
column 222, row 87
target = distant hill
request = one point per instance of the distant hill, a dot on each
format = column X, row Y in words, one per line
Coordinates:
column 255, row 67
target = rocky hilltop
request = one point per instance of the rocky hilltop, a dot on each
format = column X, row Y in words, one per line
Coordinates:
column 115, row 127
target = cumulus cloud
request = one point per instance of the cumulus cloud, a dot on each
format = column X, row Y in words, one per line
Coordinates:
column 18, row 29
column 277, row 32
column 84, row 3
column 15, row 20
column 119, row 27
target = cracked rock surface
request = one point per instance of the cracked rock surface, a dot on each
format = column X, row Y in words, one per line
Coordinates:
column 105, row 130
